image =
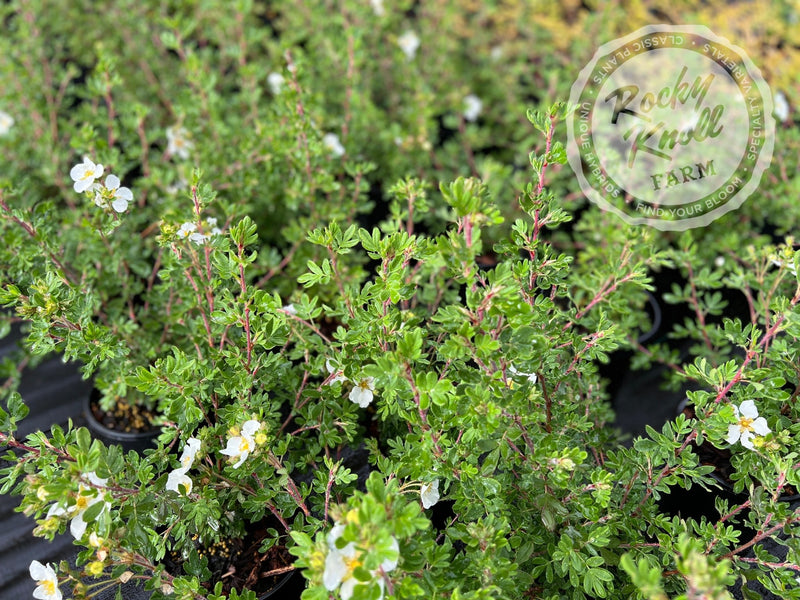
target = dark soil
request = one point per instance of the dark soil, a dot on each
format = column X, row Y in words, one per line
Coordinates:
column 239, row 564
column 125, row 417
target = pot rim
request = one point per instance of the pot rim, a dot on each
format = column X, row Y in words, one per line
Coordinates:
column 113, row 434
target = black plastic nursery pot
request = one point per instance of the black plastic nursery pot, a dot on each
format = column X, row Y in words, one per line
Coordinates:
column 238, row 563
column 112, row 427
column 289, row 587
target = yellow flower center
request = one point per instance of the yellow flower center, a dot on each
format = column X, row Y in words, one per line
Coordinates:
column 244, row 445
column 364, row 385
column 81, row 503
column 49, row 587
column 745, row 424
column 351, row 564
column 88, row 174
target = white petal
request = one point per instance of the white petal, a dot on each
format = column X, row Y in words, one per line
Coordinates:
column 733, row 434
column 77, row 526
column 124, row 193
column 332, row 143
column 390, row 563
column 39, row 571
column 112, row 182
column 334, row 534
column 275, row 82
column 77, row 172
column 760, row 426
column 242, row 458
column 250, row 427
column 747, row 439
column 176, row 478
column 186, row 229
column 361, row 396
column 56, row 511
column 335, row 570
column 120, row 205
column 748, row 409
column 190, row 451
column 82, row 185
column 232, row 449
column 346, row 591
column 408, row 42
column 429, row 493
column 472, row 107
column 95, row 480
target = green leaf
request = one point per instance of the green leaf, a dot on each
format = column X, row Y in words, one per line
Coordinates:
column 84, row 439
column 16, row 407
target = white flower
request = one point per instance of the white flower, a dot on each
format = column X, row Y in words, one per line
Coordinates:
column 496, row 53
column 47, row 579
column 84, row 500
column 289, row 309
column 77, row 526
column 178, row 477
column 335, row 373
column 111, row 192
column 409, row 42
column 790, row 266
column 719, row 261
column 6, row 123
column 332, row 143
column 186, row 230
column 339, row 565
column 275, row 82
column 531, row 376
column 84, row 174
column 748, row 424
column 429, row 493
column 212, row 223
column 781, row 107
column 190, row 451
column 377, row 7
column 241, row 446
column 189, row 230
column 341, row 562
column 472, row 107
column 361, row 394
column 178, row 142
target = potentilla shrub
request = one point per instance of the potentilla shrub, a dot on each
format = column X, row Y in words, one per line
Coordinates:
column 300, row 236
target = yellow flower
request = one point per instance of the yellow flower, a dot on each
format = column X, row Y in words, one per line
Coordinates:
column 95, row 569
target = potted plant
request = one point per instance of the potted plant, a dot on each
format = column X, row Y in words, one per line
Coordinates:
column 225, row 260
